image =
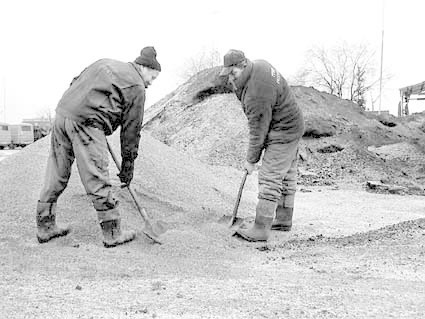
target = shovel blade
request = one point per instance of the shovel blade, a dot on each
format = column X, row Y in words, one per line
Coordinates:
column 151, row 234
column 160, row 227
column 226, row 219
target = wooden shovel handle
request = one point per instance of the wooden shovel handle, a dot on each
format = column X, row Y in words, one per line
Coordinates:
column 238, row 199
column 139, row 207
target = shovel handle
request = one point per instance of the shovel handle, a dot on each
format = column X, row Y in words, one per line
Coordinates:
column 130, row 190
column 238, row 198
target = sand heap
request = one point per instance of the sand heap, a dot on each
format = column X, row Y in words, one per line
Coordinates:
column 190, row 191
column 342, row 143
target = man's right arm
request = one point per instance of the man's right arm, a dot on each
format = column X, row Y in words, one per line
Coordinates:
column 131, row 125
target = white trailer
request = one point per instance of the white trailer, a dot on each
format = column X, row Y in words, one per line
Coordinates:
column 5, row 135
column 22, row 134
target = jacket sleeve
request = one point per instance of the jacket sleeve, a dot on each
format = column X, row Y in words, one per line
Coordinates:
column 258, row 110
column 131, row 125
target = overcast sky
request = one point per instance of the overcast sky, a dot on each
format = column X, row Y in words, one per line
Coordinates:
column 44, row 44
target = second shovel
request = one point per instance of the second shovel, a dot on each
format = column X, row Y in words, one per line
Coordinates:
column 232, row 220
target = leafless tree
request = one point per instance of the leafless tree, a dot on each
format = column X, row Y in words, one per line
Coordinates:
column 204, row 59
column 347, row 71
column 300, row 78
column 45, row 113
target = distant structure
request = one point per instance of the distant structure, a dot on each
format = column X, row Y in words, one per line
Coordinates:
column 418, row 90
column 385, row 112
column 41, row 122
column 42, row 126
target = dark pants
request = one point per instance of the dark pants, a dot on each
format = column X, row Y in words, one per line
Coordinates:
column 277, row 177
column 87, row 145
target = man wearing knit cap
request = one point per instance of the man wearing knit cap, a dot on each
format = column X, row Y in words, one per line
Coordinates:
column 276, row 125
column 108, row 94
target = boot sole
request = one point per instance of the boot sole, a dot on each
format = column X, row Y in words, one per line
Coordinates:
column 45, row 240
column 252, row 240
column 111, row 245
column 281, row 228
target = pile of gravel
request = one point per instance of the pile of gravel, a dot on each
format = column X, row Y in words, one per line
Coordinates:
column 336, row 147
column 196, row 192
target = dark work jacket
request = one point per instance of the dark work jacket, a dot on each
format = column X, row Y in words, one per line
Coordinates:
column 106, row 95
column 270, row 107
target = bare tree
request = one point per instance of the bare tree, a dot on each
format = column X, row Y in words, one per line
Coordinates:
column 325, row 70
column 347, row 71
column 358, row 87
column 45, row 113
column 204, row 59
column 300, row 78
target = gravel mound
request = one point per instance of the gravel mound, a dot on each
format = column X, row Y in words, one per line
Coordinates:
column 342, row 143
column 406, row 231
column 192, row 190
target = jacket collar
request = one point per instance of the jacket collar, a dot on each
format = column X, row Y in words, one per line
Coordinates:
column 137, row 69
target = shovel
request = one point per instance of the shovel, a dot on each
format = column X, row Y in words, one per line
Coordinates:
column 152, row 231
column 233, row 219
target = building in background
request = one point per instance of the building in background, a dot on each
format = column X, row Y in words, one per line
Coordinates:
column 22, row 134
column 418, row 92
column 41, row 126
column 5, row 135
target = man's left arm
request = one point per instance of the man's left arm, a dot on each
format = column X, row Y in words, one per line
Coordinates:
column 131, row 125
column 259, row 114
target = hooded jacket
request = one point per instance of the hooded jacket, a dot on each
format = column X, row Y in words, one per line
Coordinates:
column 108, row 94
column 270, row 107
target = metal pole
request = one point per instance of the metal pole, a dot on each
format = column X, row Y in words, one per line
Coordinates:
column 4, row 100
column 382, row 58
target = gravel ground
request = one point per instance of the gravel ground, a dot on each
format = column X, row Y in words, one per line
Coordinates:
column 6, row 153
column 351, row 254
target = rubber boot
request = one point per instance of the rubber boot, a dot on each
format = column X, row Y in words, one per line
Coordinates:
column 260, row 231
column 283, row 220
column 46, row 223
column 112, row 234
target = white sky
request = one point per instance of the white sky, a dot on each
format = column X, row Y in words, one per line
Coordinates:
column 44, row 44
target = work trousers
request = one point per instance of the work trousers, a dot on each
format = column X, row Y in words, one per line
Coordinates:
column 277, row 176
column 87, row 145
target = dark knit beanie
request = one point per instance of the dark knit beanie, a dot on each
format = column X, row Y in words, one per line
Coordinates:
column 148, row 58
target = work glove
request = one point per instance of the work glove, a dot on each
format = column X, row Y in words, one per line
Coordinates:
column 126, row 173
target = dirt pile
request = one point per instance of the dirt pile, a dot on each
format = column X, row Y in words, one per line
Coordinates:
column 342, row 143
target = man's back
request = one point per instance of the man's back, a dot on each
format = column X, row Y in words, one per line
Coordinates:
column 267, row 84
column 99, row 95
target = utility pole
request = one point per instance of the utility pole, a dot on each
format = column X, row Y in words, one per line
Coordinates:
column 4, row 99
column 382, row 58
